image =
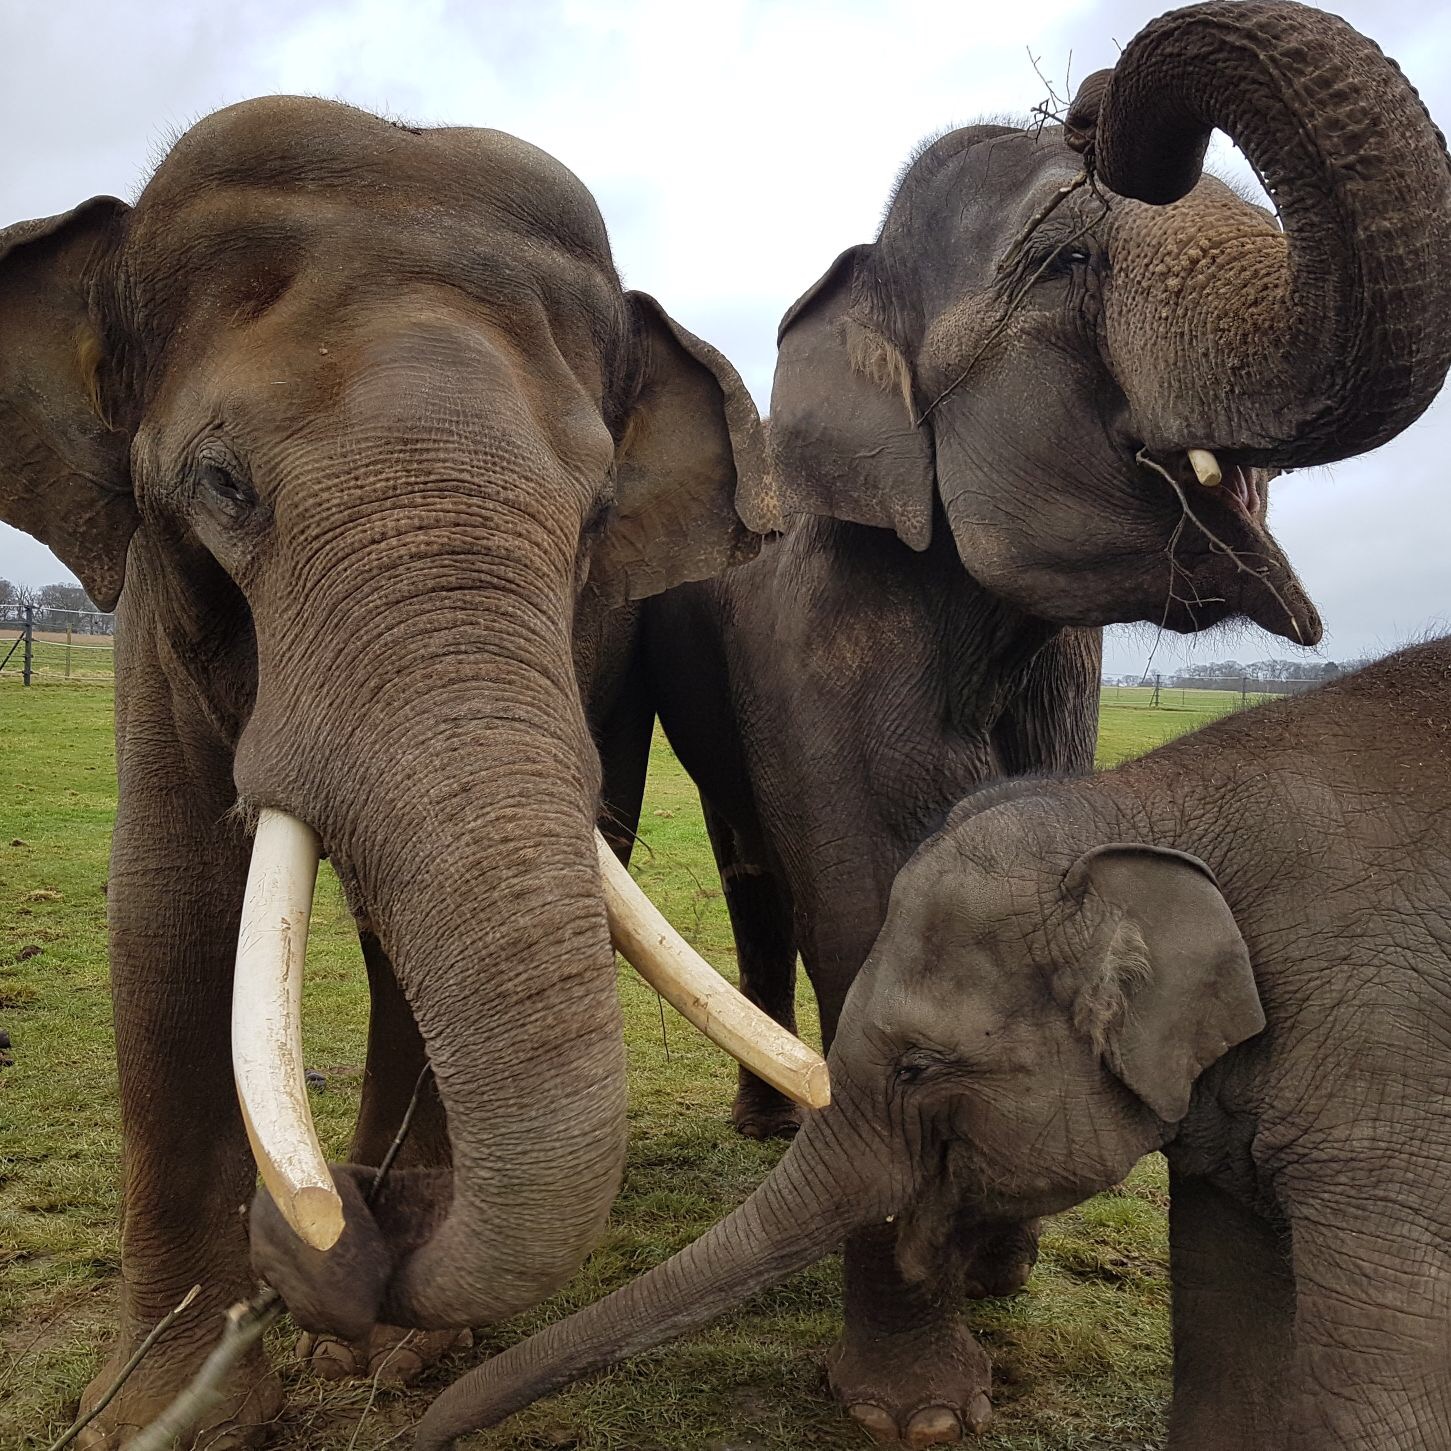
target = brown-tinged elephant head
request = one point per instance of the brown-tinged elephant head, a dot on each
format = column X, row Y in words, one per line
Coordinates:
column 357, row 422
column 1088, row 360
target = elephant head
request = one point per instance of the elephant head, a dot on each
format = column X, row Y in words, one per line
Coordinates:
column 1030, row 1023
column 364, row 423
column 1087, row 360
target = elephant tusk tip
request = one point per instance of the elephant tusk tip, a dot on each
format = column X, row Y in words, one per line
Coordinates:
column 1206, row 467
column 817, row 1086
column 315, row 1214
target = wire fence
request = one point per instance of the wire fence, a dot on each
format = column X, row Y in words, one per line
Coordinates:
column 41, row 644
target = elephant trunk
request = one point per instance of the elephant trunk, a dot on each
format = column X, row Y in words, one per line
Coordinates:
column 453, row 783
column 1281, row 349
column 835, row 1178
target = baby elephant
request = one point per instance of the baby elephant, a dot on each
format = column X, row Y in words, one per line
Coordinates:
column 1237, row 950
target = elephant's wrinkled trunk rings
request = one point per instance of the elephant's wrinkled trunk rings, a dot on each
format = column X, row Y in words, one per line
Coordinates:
column 838, row 1175
column 267, row 1015
column 1302, row 346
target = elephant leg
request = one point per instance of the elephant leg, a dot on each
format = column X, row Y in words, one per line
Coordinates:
column 1372, row 1363
column 761, row 923
column 395, row 1061
column 1234, row 1310
column 174, row 900
column 906, row 1367
column 624, row 744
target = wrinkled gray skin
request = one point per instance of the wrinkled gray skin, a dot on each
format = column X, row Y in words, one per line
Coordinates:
column 1236, row 950
column 364, row 420
column 914, row 635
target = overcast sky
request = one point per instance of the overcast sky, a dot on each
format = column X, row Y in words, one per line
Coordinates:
column 735, row 148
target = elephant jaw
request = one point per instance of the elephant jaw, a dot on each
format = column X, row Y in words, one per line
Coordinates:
column 1224, row 561
column 267, row 1015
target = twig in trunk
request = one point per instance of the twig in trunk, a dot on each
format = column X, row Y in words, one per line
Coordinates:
column 155, row 1334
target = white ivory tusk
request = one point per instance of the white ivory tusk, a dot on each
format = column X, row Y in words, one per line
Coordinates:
column 701, row 995
column 267, row 1028
column 1206, row 467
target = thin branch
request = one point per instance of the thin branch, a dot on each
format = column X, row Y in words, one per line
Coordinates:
column 140, row 1353
column 1215, row 542
column 247, row 1322
column 1015, row 302
column 1044, row 212
column 373, row 1389
column 393, row 1149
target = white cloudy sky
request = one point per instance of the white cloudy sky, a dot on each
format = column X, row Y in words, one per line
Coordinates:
column 735, row 148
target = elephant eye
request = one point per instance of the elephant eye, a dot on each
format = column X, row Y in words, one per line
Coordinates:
column 915, row 1064
column 222, row 481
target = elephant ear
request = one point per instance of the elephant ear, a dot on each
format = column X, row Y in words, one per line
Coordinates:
column 843, row 440
column 64, row 474
column 691, row 496
column 1172, row 974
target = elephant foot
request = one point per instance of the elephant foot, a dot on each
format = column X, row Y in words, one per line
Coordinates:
column 1001, row 1260
column 924, row 1388
column 251, row 1400
column 388, row 1355
column 760, row 1112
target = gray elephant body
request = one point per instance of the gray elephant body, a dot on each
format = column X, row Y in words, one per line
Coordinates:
column 1234, row 949
column 364, row 418
column 980, row 432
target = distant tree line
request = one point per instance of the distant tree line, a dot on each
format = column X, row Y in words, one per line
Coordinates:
column 1259, row 677
column 57, row 607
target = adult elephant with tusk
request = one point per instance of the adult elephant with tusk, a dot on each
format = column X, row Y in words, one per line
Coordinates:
column 1051, row 394
column 383, row 454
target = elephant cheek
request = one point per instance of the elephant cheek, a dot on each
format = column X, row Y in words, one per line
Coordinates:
column 337, row 1291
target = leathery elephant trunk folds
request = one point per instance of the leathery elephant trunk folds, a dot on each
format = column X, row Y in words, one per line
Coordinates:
column 452, row 802
column 1324, row 339
column 841, row 1172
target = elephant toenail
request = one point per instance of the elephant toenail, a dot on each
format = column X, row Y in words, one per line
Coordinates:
column 875, row 1421
column 332, row 1359
column 934, row 1426
column 979, row 1414
column 397, row 1366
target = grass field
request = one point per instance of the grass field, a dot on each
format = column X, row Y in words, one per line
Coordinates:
column 1081, row 1359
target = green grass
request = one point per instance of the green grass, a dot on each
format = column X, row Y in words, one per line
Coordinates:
column 1081, row 1359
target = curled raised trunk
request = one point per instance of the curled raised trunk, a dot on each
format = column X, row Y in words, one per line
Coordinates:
column 832, row 1180
column 1286, row 349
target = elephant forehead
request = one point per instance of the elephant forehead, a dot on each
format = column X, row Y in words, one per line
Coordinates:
column 306, row 163
column 965, row 201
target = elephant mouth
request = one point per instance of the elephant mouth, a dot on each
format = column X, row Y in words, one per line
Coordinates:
column 1222, row 559
column 1203, row 478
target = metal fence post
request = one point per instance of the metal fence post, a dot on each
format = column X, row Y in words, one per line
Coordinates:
column 29, row 637
column 67, row 652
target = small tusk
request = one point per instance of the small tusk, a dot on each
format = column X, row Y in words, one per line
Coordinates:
column 701, row 995
column 267, row 1028
column 1206, row 467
